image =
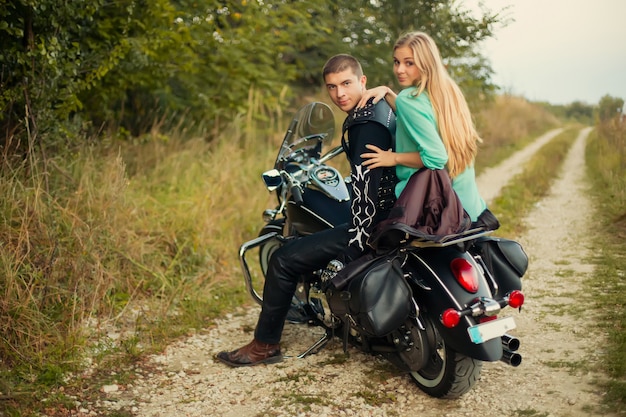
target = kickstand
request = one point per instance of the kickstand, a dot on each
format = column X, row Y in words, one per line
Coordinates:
column 346, row 334
column 317, row 346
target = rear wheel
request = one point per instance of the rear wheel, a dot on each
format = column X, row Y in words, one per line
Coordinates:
column 447, row 373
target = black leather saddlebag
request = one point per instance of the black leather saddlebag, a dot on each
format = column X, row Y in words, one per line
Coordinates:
column 505, row 259
column 374, row 293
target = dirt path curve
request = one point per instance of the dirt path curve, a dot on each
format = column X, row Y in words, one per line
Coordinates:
column 554, row 378
column 491, row 181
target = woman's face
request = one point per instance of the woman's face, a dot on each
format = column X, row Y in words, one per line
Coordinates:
column 404, row 66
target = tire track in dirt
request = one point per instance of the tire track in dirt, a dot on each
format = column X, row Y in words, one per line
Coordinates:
column 561, row 351
column 492, row 179
column 554, row 379
column 561, row 344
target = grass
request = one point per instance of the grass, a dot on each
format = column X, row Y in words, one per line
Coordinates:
column 140, row 239
column 606, row 164
column 529, row 412
column 375, row 397
column 573, row 367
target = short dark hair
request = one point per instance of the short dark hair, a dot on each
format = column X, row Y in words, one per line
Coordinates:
column 340, row 63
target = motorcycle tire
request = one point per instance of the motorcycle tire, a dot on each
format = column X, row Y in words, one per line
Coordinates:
column 267, row 249
column 447, row 373
column 297, row 313
column 265, row 252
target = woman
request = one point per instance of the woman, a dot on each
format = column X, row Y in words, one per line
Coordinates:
column 434, row 125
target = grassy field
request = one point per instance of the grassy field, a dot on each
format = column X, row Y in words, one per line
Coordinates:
column 140, row 239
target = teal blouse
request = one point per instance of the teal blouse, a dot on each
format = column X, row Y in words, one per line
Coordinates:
column 417, row 130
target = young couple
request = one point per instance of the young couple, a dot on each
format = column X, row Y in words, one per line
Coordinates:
column 433, row 128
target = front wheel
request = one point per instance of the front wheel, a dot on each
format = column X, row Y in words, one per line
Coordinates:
column 267, row 249
column 446, row 373
column 296, row 313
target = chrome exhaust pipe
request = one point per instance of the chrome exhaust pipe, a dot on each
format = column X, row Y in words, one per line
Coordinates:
column 510, row 342
column 511, row 358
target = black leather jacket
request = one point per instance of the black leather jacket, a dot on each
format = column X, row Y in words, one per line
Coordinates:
column 373, row 191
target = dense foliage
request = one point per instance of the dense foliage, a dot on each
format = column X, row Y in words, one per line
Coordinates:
column 71, row 67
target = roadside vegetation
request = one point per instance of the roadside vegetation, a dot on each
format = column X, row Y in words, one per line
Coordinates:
column 508, row 125
column 606, row 163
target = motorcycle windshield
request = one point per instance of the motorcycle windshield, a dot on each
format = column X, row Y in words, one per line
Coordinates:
column 312, row 126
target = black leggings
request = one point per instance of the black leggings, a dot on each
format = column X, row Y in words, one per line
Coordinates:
column 288, row 263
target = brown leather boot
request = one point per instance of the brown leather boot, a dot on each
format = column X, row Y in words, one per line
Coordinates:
column 254, row 353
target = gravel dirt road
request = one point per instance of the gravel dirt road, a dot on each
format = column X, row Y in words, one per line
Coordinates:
column 556, row 377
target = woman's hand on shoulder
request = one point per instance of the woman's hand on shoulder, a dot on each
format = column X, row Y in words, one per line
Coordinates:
column 378, row 93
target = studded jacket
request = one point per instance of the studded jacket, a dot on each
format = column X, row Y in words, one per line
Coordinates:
column 373, row 193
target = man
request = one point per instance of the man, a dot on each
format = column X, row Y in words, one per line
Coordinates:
column 372, row 198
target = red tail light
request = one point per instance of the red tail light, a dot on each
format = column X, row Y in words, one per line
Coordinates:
column 465, row 274
column 450, row 318
column 516, row 299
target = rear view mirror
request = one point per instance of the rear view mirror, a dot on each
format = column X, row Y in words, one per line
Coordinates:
column 272, row 179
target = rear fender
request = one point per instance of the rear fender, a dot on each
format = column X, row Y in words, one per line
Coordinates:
column 436, row 289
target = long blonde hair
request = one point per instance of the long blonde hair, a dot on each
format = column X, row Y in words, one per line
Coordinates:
column 454, row 119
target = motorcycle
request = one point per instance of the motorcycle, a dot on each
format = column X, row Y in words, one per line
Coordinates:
column 429, row 307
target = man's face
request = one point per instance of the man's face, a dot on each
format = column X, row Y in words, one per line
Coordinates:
column 345, row 88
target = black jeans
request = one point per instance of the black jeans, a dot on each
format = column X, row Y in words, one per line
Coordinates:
column 287, row 264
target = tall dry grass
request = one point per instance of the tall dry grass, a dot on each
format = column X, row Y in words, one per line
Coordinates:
column 58, row 235
column 147, row 232
column 507, row 125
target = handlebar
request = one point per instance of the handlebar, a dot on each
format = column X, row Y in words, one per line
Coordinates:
column 331, row 154
column 289, row 176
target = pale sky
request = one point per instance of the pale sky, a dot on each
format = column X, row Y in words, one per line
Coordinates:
column 559, row 51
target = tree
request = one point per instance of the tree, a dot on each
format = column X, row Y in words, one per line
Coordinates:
column 71, row 66
column 579, row 111
column 133, row 62
column 64, row 59
column 368, row 30
column 610, row 108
